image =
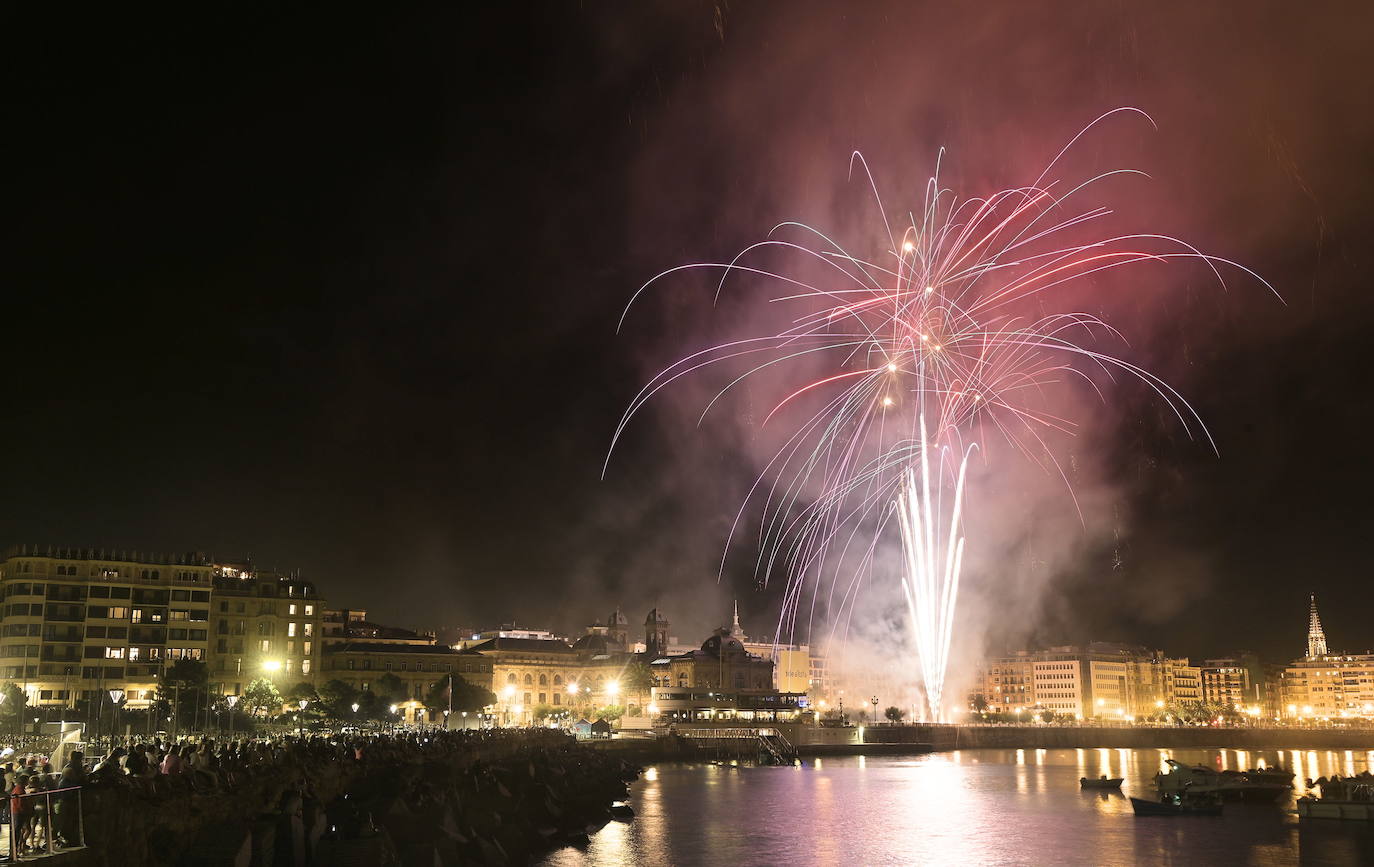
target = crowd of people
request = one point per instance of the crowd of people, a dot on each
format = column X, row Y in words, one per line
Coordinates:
column 42, row 809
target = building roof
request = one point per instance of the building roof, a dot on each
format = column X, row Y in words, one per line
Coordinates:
column 374, row 647
column 528, row 645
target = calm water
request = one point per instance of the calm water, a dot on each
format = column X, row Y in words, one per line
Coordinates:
column 966, row 807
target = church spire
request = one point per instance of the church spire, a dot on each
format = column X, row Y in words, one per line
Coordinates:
column 1316, row 638
column 736, row 630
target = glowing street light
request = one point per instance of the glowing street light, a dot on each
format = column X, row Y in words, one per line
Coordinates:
column 613, row 688
column 272, row 665
column 572, row 688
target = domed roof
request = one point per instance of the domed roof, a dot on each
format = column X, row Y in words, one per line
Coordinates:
column 723, row 643
column 591, row 641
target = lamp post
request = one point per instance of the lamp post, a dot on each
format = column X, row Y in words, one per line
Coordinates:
column 300, row 716
column 393, row 719
column 116, row 696
column 465, row 719
column 874, row 700
column 231, row 700
column 508, row 693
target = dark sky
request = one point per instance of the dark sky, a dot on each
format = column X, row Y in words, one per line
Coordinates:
column 338, row 291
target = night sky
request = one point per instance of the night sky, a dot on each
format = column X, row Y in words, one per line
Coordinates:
column 338, row 292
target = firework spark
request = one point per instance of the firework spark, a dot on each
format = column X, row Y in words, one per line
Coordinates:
column 924, row 351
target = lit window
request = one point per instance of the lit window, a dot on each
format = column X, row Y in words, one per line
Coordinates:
column 291, row 627
column 114, row 653
column 309, row 629
column 291, row 609
column 265, row 645
column 309, row 610
column 305, row 666
column 305, row 647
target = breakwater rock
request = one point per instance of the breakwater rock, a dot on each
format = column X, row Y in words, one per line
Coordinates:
column 501, row 799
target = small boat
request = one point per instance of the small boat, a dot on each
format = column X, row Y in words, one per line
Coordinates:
column 1180, row 804
column 1351, row 798
column 1101, row 783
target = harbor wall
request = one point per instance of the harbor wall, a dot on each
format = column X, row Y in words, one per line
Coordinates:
column 945, row 737
column 885, row 739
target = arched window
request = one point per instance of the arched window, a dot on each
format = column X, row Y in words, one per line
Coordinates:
column 543, row 681
column 511, row 678
column 558, row 680
column 529, row 680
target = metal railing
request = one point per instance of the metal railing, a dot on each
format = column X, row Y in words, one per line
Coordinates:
column 34, row 828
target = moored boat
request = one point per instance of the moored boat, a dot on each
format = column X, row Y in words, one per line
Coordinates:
column 1184, row 803
column 1100, row 783
column 1350, row 798
column 1235, row 786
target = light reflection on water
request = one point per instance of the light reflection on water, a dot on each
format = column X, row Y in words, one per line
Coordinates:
column 966, row 807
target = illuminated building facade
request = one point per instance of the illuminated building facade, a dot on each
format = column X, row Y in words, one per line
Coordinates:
column 534, row 675
column 361, row 664
column 263, row 625
column 1324, row 685
column 721, row 663
column 1101, row 680
column 78, row 622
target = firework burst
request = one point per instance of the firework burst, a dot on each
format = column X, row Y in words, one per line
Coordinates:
column 924, row 352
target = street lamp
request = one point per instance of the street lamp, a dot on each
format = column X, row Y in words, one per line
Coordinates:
column 231, row 700
column 465, row 719
column 393, row 718
column 272, row 665
column 874, row 700
column 509, row 693
column 116, row 696
column 300, row 716
column 613, row 688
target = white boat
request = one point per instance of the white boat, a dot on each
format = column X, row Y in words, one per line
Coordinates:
column 1351, row 798
column 1198, row 778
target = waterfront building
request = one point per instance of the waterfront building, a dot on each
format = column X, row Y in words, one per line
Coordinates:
column 1239, row 682
column 361, row 664
column 721, row 663
column 792, row 666
column 1101, row 680
column 1325, row 685
column 680, row 706
column 78, row 622
column 534, row 675
column 1007, row 683
column 351, row 625
column 263, row 625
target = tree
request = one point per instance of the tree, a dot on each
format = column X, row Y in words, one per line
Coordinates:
column 894, row 714
column 610, row 712
column 979, row 703
column 261, row 695
column 466, row 696
column 637, row 679
column 390, row 689
column 303, row 691
column 337, row 698
column 1047, row 716
column 13, row 702
column 182, row 688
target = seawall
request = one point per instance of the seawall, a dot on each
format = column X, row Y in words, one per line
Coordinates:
column 1144, row 737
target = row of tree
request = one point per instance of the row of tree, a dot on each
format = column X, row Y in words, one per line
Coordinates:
column 184, row 694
